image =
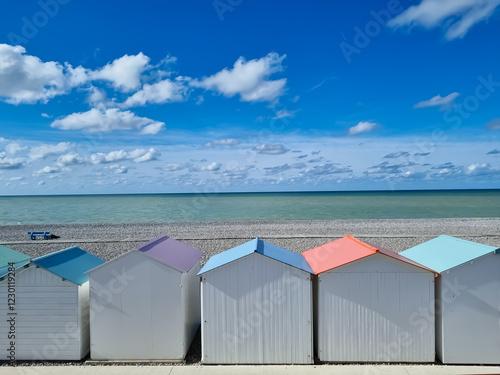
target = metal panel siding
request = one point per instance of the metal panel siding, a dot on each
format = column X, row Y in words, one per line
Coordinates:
column 47, row 317
column 142, row 319
column 375, row 316
column 470, row 300
column 84, row 318
column 257, row 310
column 191, row 305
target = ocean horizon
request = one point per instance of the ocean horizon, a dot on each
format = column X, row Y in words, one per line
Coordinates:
column 255, row 206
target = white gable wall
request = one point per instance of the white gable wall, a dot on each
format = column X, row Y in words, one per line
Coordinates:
column 470, row 319
column 376, row 309
column 48, row 316
column 256, row 310
column 139, row 317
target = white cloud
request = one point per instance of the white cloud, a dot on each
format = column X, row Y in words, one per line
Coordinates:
column 397, row 154
column 166, row 91
column 283, row 168
column 124, row 73
column 282, row 113
column 46, row 150
column 13, row 148
column 11, row 163
column 107, row 120
column 118, row 169
column 267, row 149
column 325, row 169
column 484, row 169
column 212, row 167
column 18, row 178
column 138, row 156
column 493, row 124
column 27, row 79
column 70, row 159
column 457, row 16
column 223, row 142
column 362, row 127
column 172, row 167
column 438, row 101
column 47, row 170
column 249, row 79
column 44, row 115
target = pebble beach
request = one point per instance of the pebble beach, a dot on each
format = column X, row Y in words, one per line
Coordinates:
column 108, row 241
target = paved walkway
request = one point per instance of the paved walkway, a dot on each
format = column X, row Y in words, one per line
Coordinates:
column 252, row 370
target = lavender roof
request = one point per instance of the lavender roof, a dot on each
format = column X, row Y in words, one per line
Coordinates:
column 172, row 253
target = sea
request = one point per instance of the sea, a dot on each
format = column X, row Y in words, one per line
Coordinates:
column 226, row 207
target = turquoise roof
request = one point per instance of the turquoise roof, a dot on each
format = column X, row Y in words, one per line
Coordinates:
column 8, row 255
column 257, row 246
column 70, row 264
column 445, row 252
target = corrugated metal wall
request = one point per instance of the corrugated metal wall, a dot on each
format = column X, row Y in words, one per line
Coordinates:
column 140, row 319
column 47, row 317
column 470, row 302
column 257, row 310
column 376, row 310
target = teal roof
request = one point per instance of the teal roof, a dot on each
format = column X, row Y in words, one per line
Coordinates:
column 70, row 264
column 445, row 252
column 8, row 255
column 257, row 246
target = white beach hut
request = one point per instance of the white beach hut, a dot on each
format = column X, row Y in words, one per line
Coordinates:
column 256, row 306
column 368, row 302
column 10, row 257
column 145, row 304
column 50, row 317
column 467, row 298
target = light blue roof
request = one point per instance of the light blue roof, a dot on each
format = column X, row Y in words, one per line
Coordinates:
column 70, row 264
column 444, row 252
column 8, row 255
column 257, row 246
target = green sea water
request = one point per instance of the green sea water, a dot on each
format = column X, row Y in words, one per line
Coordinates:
column 156, row 208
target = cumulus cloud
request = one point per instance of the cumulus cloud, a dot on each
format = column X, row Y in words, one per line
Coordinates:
column 395, row 155
column 283, row 168
column 493, row 124
column 248, row 79
column 118, row 169
column 385, row 168
column 166, row 91
column 13, row 148
column 11, row 163
column 268, row 149
column 362, row 127
column 46, row 150
column 107, row 120
column 70, row 159
column 27, row 79
column 237, row 173
column 138, row 156
column 457, row 17
column 223, row 142
column 124, row 73
column 325, row 169
column 484, row 169
column 438, row 101
column 212, row 167
column 172, row 167
column 46, row 170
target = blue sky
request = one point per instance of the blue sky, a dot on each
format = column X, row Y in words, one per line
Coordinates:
column 239, row 95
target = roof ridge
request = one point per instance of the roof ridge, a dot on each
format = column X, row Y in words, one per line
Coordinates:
column 55, row 253
column 469, row 242
column 362, row 243
column 153, row 242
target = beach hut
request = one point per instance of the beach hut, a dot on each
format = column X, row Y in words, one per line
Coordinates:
column 367, row 301
column 51, row 320
column 467, row 298
column 145, row 304
column 256, row 306
column 8, row 256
